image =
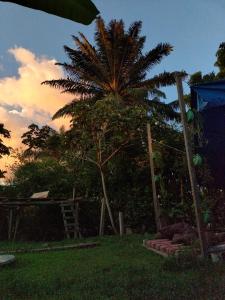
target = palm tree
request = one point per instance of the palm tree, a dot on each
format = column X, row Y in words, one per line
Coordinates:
column 116, row 66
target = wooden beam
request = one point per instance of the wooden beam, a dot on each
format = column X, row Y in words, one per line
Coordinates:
column 191, row 169
column 54, row 248
column 28, row 202
column 154, row 193
column 10, row 228
column 121, row 223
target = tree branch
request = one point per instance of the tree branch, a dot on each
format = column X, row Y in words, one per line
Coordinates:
column 114, row 153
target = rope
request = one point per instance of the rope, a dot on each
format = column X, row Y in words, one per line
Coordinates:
column 168, row 146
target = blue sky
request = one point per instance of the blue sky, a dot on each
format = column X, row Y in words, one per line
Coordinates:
column 195, row 28
column 31, row 42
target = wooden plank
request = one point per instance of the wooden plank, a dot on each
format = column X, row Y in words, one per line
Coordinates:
column 40, row 195
column 34, row 203
column 164, row 254
column 10, row 224
column 54, row 248
column 49, row 200
column 121, row 223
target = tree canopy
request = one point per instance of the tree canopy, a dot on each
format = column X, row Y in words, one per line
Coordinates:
column 116, row 66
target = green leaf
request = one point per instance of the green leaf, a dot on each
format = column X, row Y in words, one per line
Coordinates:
column 206, row 216
column 157, row 178
column 190, row 116
column 81, row 11
column 197, row 160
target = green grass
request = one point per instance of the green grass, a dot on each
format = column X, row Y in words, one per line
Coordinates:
column 120, row 268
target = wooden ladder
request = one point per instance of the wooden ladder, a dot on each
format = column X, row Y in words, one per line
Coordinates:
column 69, row 220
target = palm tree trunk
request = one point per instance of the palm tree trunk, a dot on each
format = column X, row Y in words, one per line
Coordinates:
column 107, row 201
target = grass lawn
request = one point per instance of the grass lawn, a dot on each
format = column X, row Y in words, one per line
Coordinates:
column 120, row 268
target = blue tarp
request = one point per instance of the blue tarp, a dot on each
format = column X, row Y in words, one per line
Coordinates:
column 209, row 100
column 210, row 94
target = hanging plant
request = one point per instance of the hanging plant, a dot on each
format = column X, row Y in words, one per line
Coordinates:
column 197, row 160
column 157, row 178
column 157, row 157
column 206, row 216
column 190, row 116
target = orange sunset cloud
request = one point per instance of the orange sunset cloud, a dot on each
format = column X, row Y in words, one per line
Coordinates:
column 23, row 100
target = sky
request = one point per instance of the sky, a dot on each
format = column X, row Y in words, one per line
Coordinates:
column 32, row 41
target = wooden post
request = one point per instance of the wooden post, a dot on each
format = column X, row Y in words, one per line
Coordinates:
column 102, row 218
column 121, row 223
column 155, row 198
column 76, row 210
column 10, row 229
column 191, row 169
column 16, row 226
column 74, row 190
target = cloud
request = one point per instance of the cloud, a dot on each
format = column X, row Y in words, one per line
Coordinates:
column 23, row 100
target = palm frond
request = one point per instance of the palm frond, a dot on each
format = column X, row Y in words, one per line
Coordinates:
column 68, row 109
column 160, row 80
column 115, row 66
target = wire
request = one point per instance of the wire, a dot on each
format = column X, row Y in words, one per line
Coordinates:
column 168, row 146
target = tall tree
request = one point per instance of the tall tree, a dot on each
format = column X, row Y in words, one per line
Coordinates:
column 116, row 66
column 102, row 131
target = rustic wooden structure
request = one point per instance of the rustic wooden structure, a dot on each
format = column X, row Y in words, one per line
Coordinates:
column 70, row 218
column 15, row 206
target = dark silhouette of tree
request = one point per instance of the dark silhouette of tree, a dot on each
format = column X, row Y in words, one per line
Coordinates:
column 41, row 141
column 4, row 150
column 115, row 67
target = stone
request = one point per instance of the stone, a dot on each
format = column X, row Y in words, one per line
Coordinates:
column 6, row 259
